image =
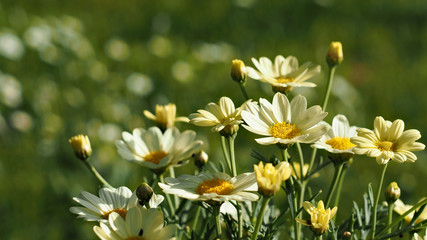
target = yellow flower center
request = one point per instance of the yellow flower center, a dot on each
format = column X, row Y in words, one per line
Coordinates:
column 122, row 212
column 216, row 185
column 387, row 146
column 284, row 130
column 155, row 157
column 340, row 143
column 285, row 80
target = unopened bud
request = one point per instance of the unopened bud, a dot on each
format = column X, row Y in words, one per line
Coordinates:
column 238, row 71
column 347, row 235
column 392, row 192
column 144, row 193
column 335, row 55
column 81, row 146
column 200, row 159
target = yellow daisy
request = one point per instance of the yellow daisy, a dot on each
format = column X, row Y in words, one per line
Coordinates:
column 388, row 142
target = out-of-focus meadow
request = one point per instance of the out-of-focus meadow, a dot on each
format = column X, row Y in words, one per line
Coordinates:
column 92, row 67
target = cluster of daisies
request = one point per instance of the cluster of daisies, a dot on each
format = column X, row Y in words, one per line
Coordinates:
column 287, row 123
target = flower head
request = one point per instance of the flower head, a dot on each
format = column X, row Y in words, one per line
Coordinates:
column 157, row 151
column 81, row 146
column 337, row 140
column 110, row 200
column 223, row 116
column 283, row 122
column 334, row 56
column 218, row 187
column 388, row 142
column 270, row 178
column 140, row 224
column 400, row 208
column 165, row 116
column 284, row 74
column 319, row 217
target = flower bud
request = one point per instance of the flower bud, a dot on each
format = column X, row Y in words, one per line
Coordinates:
column 200, row 159
column 238, row 71
column 392, row 192
column 335, row 55
column 81, row 146
column 144, row 193
column 347, row 235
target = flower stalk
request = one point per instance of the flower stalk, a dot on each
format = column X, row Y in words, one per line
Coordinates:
column 98, row 176
column 374, row 209
column 337, row 174
column 265, row 201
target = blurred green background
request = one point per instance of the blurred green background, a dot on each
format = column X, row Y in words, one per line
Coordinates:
column 92, row 67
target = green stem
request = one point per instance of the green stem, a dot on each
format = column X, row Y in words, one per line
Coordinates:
column 284, row 152
column 196, row 218
column 232, row 155
column 168, row 199
column 338, row 169
column 312, row 158
column 245, row 94
column 390, row 216
column 234, row 171
column 338, row 194
column 374, row 210
column 301, row 161
column 320, row 237
column 260, row 218
column 328, row 88
column 175, row 197
column 240, row 220
column 225, row 152
column 96, row 174
column 217, row 214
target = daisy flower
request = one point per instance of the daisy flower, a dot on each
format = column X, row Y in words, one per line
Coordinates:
column 388, row 142
column 222, row 116
column 110, row 200
column 118, row 200
column 157, row 151
column 284, row 73
column 337, row 140
column 217, row 186
column 284, row 123
column 319, row 217
column 140, row 224
column 165, row 116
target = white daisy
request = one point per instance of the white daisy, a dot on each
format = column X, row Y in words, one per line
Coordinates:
column 223, row 116
column 110, row 200
column 213, row 187
column 157, row 151
column 283, row 122
column 165, row 116
column 337, row 139
column 284, row 74
column 388, row 141
column 140, row 224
